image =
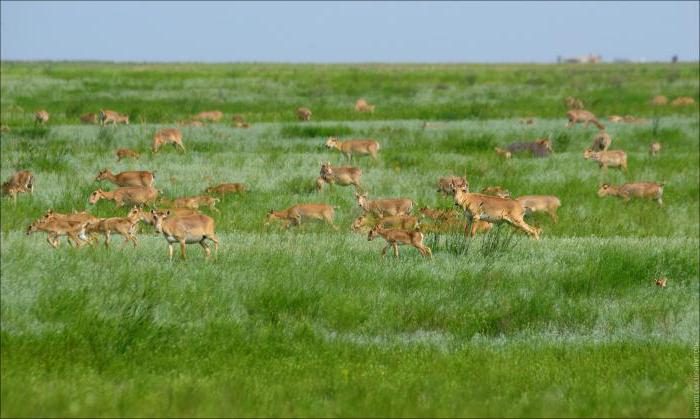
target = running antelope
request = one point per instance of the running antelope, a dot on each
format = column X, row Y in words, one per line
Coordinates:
column 343, row 176
column 192, row 202
column 493, row 209
column 225, row 188
column 304, row 114
column 133, row 178
column 605, row 159
column 211, row 116
column 81, row 217
column 541, row 203
column 576, row 116
column 106, row 116
column 131, row 195
column 445, row 184
column 384, row 207
column 41, row 117
column 627, row 191
column 73, row 230
column 601, row 142
column 294, row 215
column 362, row 106
column 395, row 237
column 360, row 147
column 167, row 136
column 124, row 226
column 123, row 153
column 404, row 222
column 654, row 148
column 186, row 229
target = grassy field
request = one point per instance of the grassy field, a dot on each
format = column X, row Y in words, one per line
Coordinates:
column 311, row 322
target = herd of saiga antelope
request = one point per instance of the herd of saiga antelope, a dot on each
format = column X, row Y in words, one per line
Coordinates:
column 389, row 218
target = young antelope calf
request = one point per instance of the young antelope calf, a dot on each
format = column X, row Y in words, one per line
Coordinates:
column 225, row 188
column 362, row 106
column 124, row 226
column 343, row 176
column 384, row 207
column 128, row 195
column 167, row 136
column 654, row 148
column 193, row 202
column 644, row 190
column 576, row 116
column 605, row 159
column 106, row 116
column 186, row 229
column 295, row 214
column 395, row 237
column 541, row 203
column 131, row 178
column 123, row 153
column 359, row 147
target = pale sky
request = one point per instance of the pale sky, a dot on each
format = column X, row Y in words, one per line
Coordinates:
column 348, row 31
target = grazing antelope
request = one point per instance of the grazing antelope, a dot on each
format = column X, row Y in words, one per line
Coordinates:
column 384, row 207
column 73, row 230
column 661, row 282
column 683, row 101
column 602, row 141
column 405, row 222
column 495, row 191
column 295, row 214
column 395, row 237
column 361, row 147
column 541, row 203
column 343, row 176
column 493, row 209
column 88, row 118
column 192, row 202
column 659, row 100
column 503, row 153
column 627, row 191
column 445, row 184
column 131, row 195
column 124, row 226
column 22, row 181
column 362, row 106
column 123, row 153
column 132, row 178
column 654, row 148
column 167, row 136
column 186, row 229
column 41, row 117
column 605, row 159
column 573, row 103
column 213, row 116
column 240, row 122
column 106, row 116
column 304, row 114
column 539, row 148
column 582, row 116
column 225, row 188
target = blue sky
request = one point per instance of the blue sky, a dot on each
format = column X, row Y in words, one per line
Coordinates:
column 348, row 31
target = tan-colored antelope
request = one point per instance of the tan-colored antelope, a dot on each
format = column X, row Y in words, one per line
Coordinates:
column 123, row 153
column 396, row 237
column 22, row 181
column 496, row 191
column 192, row 202
column 211, row 116
column 41, row 117
column 304, row 114
column 445, row 184
column 240, row 122
column 79, row 217
column 404, row 222
column 605, row 159
column 573, row 103
column 538, row 148
column 683, row 101
column 627, row 191
column 131, row 195
column 448, row 220
column 493, row 209
column 73, row 230
column 576, row 116
column 294, row 215
column 541, row 203
column 190, row 124
column 350, row 147
column 131, row 178
column 186, row 229
column 147, row 216
column 343, row 176
column 88, row 118
column 225, row 188
column 167, row 136
column 655, row 148
column 106, row 116
column 661, row 282
column 602, row 141
column 362, row 106
column 503, row 153
column 124, row 226
column 384, row 207
column 659, row 100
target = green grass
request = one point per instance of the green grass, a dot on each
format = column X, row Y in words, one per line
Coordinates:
column 310, row 322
